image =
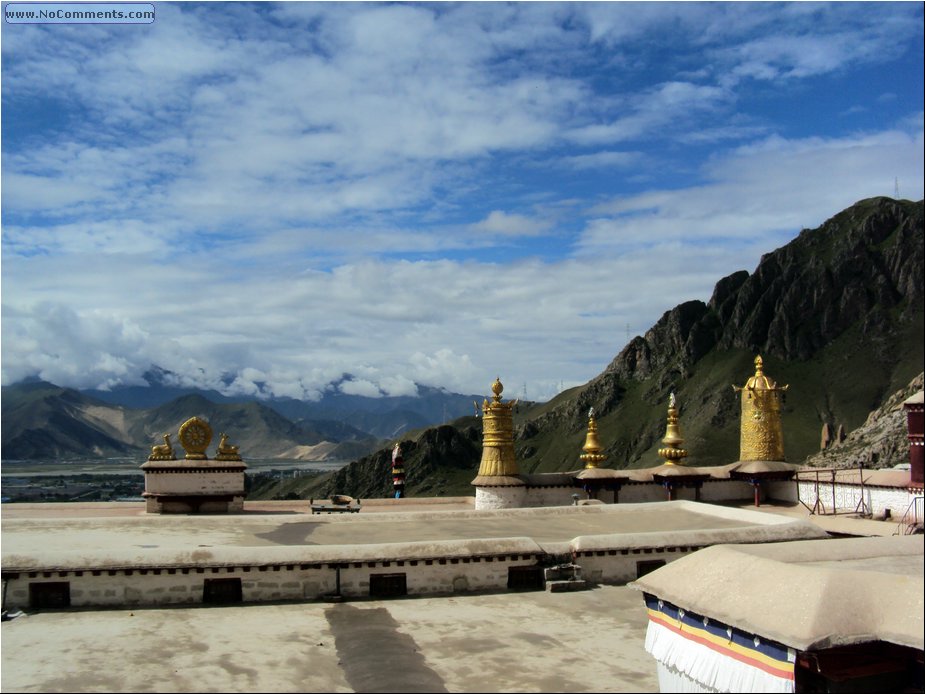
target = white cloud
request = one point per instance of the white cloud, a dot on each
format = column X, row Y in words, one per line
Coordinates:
column 666, row 103
column 604, row 159
column 282, row 194
column 764, row 191
column 510, row 224
column 361, row 386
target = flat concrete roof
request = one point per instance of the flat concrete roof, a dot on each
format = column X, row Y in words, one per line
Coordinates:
column 590, row 641
column 80, row 542
column 582, row 641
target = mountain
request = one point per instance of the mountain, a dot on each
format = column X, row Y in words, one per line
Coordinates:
column 41, row 420
column 881, row 442
column 837, row 314
column 385, row 417
column 438, row 459
column 380, row 417
column 160, row 389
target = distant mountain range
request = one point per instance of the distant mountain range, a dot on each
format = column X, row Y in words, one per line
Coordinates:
column 837, row 314
column 43, row 421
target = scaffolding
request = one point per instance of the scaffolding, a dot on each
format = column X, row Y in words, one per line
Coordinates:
column 825, row 478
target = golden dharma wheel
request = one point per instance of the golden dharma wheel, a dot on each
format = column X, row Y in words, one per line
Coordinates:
column 195, row 437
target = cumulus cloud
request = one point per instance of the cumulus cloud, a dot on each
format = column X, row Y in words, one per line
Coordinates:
column 778, row 186
column 262, row 198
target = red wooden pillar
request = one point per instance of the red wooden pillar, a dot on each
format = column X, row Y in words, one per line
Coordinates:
column 915, row 423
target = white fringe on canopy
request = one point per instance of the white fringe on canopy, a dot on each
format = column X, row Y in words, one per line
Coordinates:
column 713, row 671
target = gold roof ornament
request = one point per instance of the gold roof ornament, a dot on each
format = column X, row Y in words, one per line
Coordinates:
column 497, row 436
column 761, row 434
column 163, row 451
column 195, row 436
column 672, row 452
column 225, row 450
column 592, row 455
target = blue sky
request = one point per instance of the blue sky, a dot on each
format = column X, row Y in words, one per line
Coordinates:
column 263, row 197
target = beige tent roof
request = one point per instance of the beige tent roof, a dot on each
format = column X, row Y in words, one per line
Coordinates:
column 808, row 595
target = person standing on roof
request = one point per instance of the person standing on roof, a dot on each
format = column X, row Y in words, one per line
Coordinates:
column 398, row 472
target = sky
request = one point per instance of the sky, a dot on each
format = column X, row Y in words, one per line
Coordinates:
column 265, row 197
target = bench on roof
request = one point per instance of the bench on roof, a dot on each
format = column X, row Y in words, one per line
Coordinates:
column 340, row 503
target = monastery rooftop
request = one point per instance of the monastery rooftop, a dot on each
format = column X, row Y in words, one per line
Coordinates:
column 143, row 540
column 533, row 641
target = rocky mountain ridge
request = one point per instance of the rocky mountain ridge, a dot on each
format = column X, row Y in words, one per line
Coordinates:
column 837, row 313
column 881, row 442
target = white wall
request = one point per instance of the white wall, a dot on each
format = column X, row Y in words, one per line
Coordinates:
column 621, row 567
column 630, row 493
column 847, row 497
column 541, row 497
column 487, row 498
column 263, row 583
column 194, row 482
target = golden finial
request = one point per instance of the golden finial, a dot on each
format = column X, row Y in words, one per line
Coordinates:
column 497, row 389
column 673, row 453
column 592, row 455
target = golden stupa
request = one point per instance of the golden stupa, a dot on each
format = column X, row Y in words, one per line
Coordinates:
column 761, row 435
column 672, row 452
column 592, row 456
column 498, row 436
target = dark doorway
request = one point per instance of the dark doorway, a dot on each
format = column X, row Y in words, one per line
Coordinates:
column 53, row 595
column 647, row 567
column 222, row 591
column 388, row 585
column 525, row 578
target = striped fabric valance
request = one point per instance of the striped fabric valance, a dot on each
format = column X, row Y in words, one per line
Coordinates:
column 717, row 657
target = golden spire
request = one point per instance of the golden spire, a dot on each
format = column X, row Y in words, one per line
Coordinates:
column 673, row 453
column 761, row 435
column 592, row 455
column 497, row 435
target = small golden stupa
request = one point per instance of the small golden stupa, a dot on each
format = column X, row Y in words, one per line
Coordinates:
column 761, row 435
column 592, row 455
column 672, row 452
column 497, row 436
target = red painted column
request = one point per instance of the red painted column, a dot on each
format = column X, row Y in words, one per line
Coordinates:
column 916, row 425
